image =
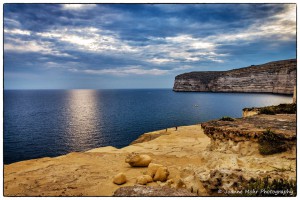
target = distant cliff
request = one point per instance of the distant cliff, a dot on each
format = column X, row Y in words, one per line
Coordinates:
column 273, row 77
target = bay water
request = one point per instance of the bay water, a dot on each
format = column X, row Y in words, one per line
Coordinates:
column 47, row 123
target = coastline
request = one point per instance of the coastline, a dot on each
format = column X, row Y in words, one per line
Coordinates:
column 91, row 173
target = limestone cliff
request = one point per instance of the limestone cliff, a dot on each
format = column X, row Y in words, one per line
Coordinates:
column 273, row 77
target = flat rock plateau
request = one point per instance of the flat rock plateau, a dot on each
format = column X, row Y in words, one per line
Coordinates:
column 200, row 161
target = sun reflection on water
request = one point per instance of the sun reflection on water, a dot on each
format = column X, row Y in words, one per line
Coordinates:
column 82, row 119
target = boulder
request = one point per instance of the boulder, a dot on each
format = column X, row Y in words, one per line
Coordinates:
column 144, row 179
column 152, row 168
column 161, row 174
column 137, row 160
column 120, row 179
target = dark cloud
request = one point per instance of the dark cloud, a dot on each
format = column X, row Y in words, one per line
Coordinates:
column 141, row 40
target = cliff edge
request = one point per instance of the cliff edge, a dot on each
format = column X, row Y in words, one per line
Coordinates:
column 273, row 77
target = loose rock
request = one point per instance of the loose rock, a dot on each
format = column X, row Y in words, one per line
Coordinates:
column 152, row 168
column 120, row 179
column 137, row 160
column 144, row 179
column 161, row 174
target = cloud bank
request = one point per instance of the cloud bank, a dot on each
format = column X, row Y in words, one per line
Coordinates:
column 158, row 40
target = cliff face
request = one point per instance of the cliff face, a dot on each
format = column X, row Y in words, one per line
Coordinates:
column 273, row 77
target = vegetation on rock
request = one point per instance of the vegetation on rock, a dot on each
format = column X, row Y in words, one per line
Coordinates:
column 266, row 187
column 272, row 110
column 226, row 118
column 271, row 143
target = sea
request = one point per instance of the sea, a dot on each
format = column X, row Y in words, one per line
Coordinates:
column 48, row 123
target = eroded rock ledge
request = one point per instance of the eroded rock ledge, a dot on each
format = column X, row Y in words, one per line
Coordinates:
column 242, row 135
column 273, row 77
column 150, row 136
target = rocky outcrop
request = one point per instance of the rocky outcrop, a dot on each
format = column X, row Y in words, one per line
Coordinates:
column 273, row 77
column 242, row 135
column 192, row 182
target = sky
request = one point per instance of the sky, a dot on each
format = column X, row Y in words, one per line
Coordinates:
column 110, row 46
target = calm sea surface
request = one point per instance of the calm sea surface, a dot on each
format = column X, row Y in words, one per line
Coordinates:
column 39, row 123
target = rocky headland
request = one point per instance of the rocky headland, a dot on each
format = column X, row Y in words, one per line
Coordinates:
column 250, row 156
column 273, row 77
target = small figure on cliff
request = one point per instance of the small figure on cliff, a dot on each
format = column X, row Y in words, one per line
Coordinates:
column 166, row 129
column 175, row 128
